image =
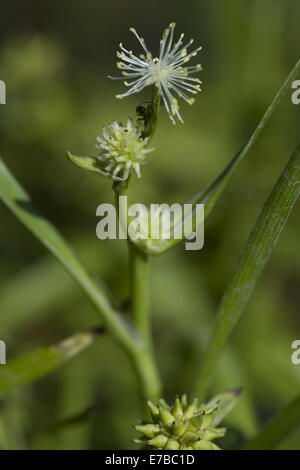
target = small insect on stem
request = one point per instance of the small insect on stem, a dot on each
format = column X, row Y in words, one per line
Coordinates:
column 144, row 113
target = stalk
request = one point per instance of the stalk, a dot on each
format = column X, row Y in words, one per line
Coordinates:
column 142, row 356
column 151, row 126
column 139, row 270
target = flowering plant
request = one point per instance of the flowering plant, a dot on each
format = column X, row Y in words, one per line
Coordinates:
column 123, row 149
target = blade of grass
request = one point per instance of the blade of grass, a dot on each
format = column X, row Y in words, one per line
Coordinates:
column 278, row 429
column 42, row 361
column 210, row 195
column 212, row 192
column 252, row 261
column 19, row 202
column 38, row 296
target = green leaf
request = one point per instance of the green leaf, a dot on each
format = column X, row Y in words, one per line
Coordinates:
column 38, row 296
column 224, row 402
column 21, row 205
column 42, row 361
column 280, row 428
column 87, row 163
column 19, row 202
column 251, row 263
column 212, row 192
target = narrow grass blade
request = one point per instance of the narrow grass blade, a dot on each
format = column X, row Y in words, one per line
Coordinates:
column 253, row 259
column 284, row 424
column 42, row 361
column 19, row 202
column 210, row 195
column 212, row 192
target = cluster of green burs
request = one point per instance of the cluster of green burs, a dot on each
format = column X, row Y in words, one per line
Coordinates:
column 182, row 426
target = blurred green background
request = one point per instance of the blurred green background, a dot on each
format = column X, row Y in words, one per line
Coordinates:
column 55, row 57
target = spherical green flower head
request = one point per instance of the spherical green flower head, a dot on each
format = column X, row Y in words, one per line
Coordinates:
column 182, row 426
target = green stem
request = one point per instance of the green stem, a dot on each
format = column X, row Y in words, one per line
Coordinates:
column 278, row 429
column 140, row 301
column 252, row 261
column 142, row 357
column 148, row 376
column 150, row 127
column 139, row 288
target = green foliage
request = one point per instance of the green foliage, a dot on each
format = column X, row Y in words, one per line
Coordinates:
column 42, row 361
column 283, row 426
column 19, row 202
column 256, row 253
column 58, row 97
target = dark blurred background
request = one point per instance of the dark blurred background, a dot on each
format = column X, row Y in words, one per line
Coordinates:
column 55, row 57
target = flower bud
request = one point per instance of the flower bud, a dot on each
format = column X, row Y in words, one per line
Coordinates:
column 177, row 408
column 166, row 417
column 205, row 445
column 172, row 444
column 149, row 430
column 153, row 410
column 159, row 441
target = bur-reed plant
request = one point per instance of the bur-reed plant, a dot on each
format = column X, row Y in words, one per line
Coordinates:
column 123, row 150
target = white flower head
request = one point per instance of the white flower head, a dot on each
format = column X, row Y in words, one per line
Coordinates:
column 122, row 150
column 167, row 72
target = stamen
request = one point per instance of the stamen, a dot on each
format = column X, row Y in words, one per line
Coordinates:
column 167, row 71
column 141, row 40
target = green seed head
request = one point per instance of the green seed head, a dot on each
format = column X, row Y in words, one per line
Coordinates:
column 181, row 426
